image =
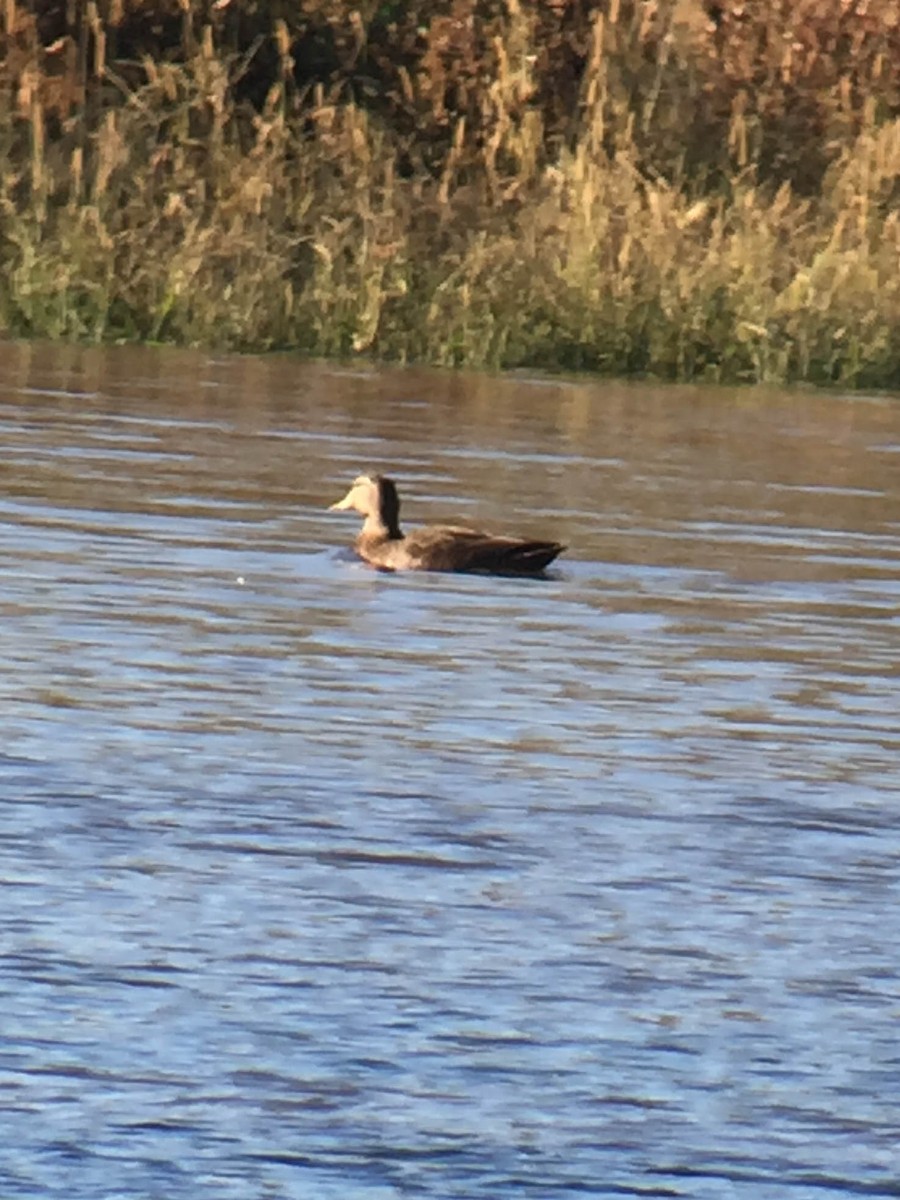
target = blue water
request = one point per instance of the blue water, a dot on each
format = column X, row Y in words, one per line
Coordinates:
column 324, row 883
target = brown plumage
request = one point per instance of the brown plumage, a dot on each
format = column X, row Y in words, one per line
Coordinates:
column 435, row 547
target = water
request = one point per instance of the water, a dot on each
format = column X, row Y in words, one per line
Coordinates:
column 330, row 883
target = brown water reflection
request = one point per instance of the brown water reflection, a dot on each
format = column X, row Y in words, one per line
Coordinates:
column 637, row 458
column 439, row 885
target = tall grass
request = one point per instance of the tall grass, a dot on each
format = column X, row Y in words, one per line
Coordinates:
column 647, row 220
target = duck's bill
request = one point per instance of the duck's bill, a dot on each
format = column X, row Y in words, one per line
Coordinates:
column 347, row 502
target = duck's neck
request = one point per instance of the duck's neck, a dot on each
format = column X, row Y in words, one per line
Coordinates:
column 375, row 526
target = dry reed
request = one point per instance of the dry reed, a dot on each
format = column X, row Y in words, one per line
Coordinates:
column 653, row 225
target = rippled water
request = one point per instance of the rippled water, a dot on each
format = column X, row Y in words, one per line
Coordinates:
column 330, row 883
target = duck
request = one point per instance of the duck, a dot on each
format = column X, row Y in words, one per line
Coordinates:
column 382, row 544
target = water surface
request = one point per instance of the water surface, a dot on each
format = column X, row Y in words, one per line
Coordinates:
column 320, row 882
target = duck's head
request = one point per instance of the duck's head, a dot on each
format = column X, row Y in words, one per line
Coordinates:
column 375, row 496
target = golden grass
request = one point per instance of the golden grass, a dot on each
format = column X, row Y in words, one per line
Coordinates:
column 150, row 200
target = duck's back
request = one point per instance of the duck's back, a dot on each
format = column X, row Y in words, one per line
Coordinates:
column 457, row 548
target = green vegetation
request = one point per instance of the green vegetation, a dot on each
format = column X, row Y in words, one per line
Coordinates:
column 683, row 188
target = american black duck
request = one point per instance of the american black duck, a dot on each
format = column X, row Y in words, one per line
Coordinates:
column 434, row 547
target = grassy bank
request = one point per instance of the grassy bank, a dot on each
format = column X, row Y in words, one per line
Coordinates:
column 669, row 188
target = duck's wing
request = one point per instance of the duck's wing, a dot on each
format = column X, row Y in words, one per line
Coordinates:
column 457, row 548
